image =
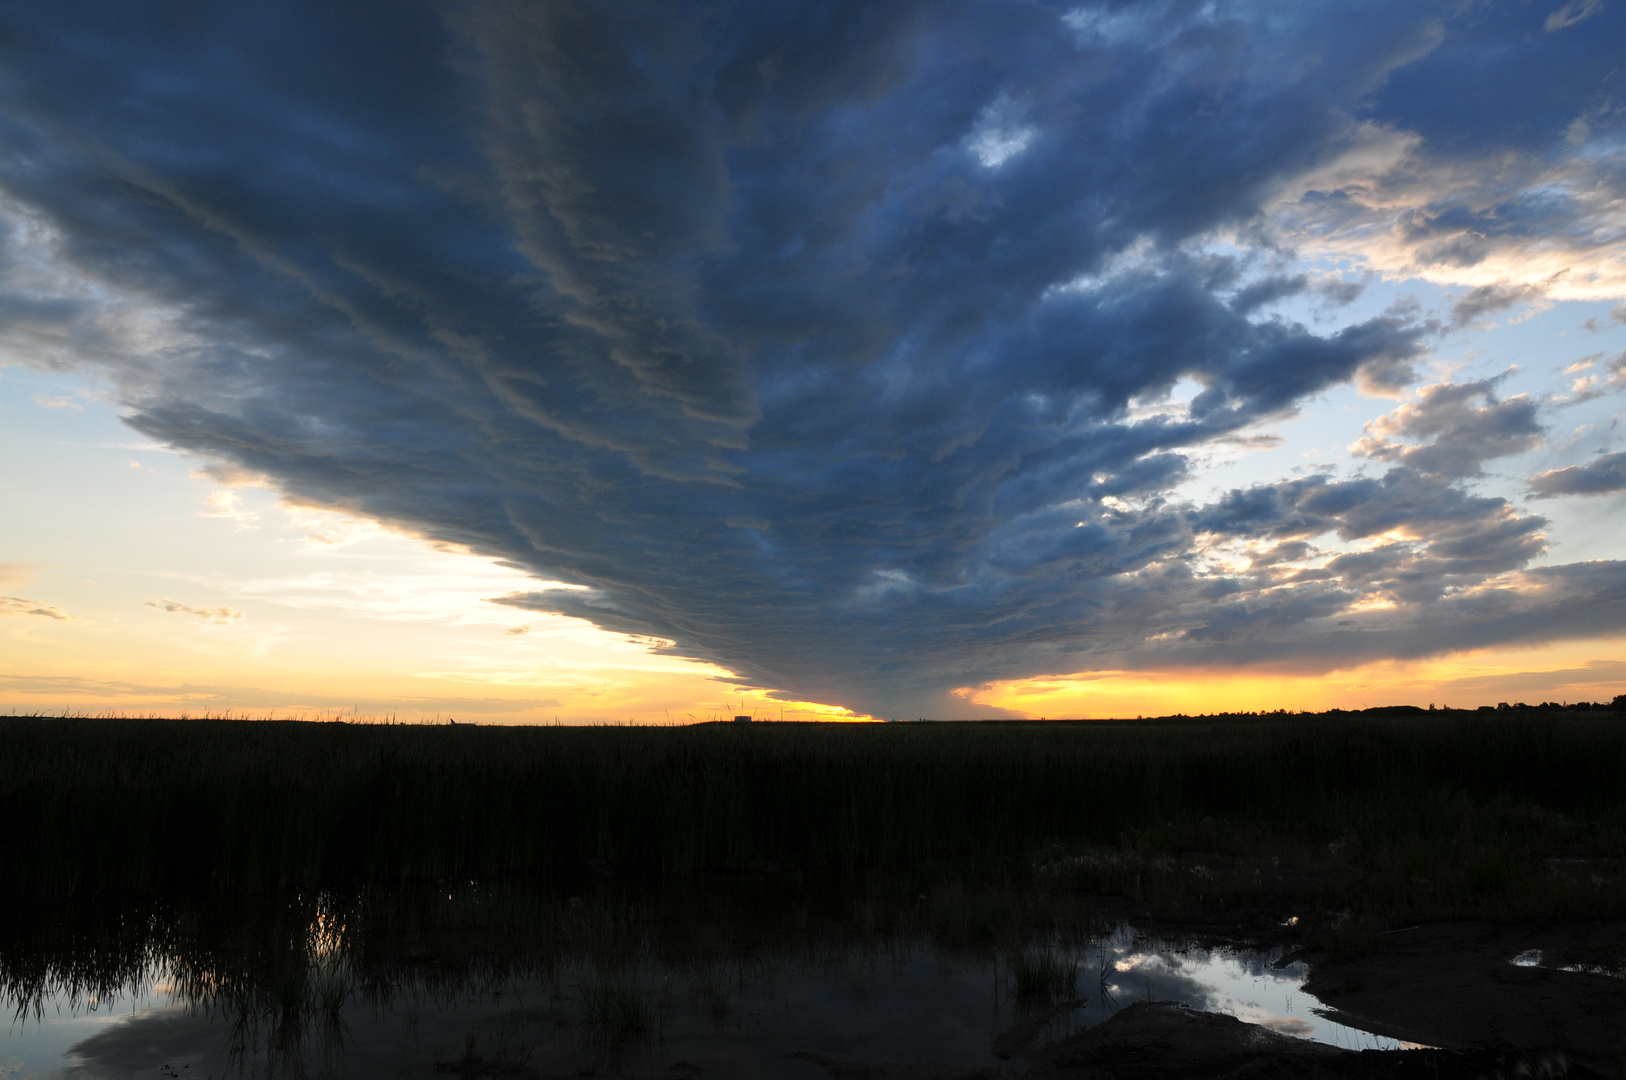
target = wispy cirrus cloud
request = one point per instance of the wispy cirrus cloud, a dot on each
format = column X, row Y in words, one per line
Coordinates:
column 1571, row 13
column 220, row 616
column 17, row 605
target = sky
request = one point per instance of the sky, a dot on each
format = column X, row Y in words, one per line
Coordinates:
column 580, row 362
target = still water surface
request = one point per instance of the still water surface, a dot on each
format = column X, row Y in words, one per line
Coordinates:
column 899, row 1001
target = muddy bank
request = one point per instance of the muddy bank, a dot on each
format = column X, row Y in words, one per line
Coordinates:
column 1166, row 1041
column 1478, row 984
column 1481, row 1000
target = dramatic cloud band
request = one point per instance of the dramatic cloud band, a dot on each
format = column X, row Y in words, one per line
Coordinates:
column 835, row 343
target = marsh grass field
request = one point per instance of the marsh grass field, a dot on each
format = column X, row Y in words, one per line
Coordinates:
column 274, row 875
column 1511, row 814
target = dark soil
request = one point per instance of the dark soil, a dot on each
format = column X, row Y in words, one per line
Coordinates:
column 1450, row 988
column 1177, row 1043
column 1454, row 985
column 1163, row 1041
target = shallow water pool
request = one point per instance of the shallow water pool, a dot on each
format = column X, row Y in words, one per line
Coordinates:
column 901, row 1001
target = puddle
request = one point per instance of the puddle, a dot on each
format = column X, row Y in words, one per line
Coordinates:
column 900, row 1001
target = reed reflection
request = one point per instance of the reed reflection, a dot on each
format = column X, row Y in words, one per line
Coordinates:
column 739, row 976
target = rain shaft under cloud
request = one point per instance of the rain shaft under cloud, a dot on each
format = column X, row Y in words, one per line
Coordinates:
column 832, row 343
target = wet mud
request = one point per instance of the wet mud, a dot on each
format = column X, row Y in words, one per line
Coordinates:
column 1554, row 987
column 1168, row 1041
column 1478, row 1000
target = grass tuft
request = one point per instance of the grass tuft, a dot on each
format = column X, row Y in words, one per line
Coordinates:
column 613, row 1015
column 1041, row 974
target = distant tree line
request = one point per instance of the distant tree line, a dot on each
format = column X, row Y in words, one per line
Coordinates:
column 1617, row 705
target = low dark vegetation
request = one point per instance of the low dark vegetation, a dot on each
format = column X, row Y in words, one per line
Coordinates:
column 280, row 969
column 1447, row 806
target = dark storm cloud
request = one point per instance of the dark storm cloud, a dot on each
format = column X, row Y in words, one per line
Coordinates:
column 1543, row 604
column 1496, row 80
column 1417, row 539
column 1493, row 158
column 1603, row 475
column 1455, row 427
column 825, row 342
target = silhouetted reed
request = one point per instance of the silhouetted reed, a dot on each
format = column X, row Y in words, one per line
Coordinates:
column 118, row 806
column 1042, row 973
